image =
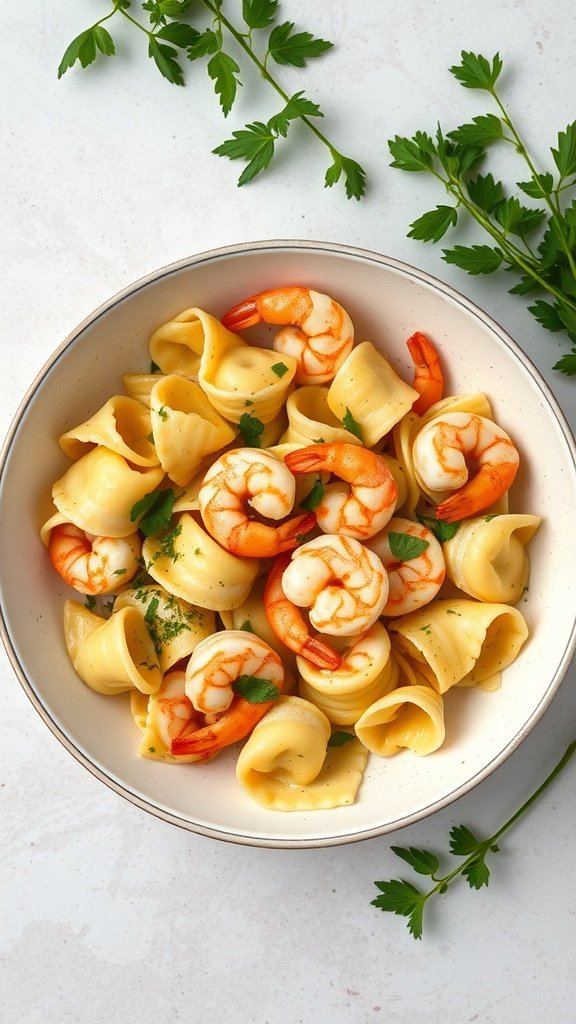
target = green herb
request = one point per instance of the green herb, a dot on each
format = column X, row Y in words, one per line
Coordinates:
column 161, row 412
column 250, row 429
column 404, row 898
column 441, row 530
column 488, row 519
column 151, row 611
column 246, row 626
column 318, row 440
column 255, row 689
column 167, row 548
column 171, row 39
column 535, row 243
column 404, row 546
column 314, row 497
column 279, row 369
column 351, row 424
column 339, row 738
column 155, row 508
column 154, row 368
column 119, row 572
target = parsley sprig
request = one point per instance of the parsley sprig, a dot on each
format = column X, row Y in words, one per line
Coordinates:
column 535, row 243
column 172, row 39
column 404, row 898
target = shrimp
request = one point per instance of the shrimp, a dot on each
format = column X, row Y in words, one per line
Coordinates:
column 467, row 454
column 288, row 624
column 214, row 666
column 93, row 565
column 428, row 379
column 361, row 505
column 260, row 480
column 414, row 578
column 174, row 712
column 343, row 583
column 320, row 335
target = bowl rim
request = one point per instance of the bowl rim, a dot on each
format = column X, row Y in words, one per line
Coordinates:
column 245, row 248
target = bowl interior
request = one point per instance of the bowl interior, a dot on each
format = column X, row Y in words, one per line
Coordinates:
column 387, row 301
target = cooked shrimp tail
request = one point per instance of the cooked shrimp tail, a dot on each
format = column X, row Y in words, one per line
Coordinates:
column 479, row 493
column 93, row 565
column 288, row 624
column 428, row 379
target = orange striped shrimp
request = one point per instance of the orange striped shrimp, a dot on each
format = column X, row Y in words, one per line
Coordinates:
column 320, row 334
column 414, row 579
column 93, row 565
column 467, row 454
column 364, row 502
column 288, row 624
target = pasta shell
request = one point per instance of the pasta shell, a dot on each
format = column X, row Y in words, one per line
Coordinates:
column 410, row 717
column 487, row 556
column 176, row 626
column 311, row 420
column 186, row 427
column 113, row 655
column 122, row 425
column 369, row 388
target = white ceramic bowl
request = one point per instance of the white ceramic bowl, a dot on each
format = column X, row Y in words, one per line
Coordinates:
column 387, row 301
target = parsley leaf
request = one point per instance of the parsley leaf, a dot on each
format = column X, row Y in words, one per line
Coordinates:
column 246, row 626
column 439, row 527
column 402, row 898
column 259, row 13
column 206, row 42
column 351, row 425
column 288, row 47
column 424, row 862
column 250, row 428
column 484, row 129
column 404, row 546
column 223, row 70
column 409, row 154
column 475, row 259
column 339, row 738
column 432, row 226
column 354, row 176
column 565, row 155
column 155, row 509
column 314, row 497
column 85, row 47
column 255, row 689
column 476, row 72
column 279, row 369
column 164, row 58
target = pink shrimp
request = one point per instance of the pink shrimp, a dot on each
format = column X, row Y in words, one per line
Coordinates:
column 93, row 565
column 288, row 624
column 320, row 335
column 361, row 505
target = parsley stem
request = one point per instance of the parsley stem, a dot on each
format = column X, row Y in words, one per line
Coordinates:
column 566, row 757
column 134, row 22
column 554, row 210
column 246, row 46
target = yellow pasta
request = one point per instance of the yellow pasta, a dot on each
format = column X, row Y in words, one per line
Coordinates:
column 310, row 419
column 487, row 556
column 185, row 426
column 239, row 379
column 366, row 673
column 367, row 387
column 410, row 717
column 98, row 492
column 284, row 764
column 139, row 385
column 461, row 641
column 196, row 569
column 167, row 713
column 111, row 655
column 122, row 425
column 176, row 346
column 175, row 625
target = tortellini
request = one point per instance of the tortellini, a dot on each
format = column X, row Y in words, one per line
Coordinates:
column 409, row 717
column 185, row 427
column 175, row 625
column 285, row 765
column 122, row 425
column 487, row 556
column 111, row 655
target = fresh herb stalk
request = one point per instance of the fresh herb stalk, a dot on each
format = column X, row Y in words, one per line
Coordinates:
column 545, row 265
column 401, row 897
column 170, row 39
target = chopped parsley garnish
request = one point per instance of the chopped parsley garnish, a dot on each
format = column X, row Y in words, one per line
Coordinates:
column 155, row 509
column 162, row 412
column 351, row 425
column 441, row 529
column 255, row 689
column 167, row 549
column 404, row 546
column 246, row 626
column 250, row 428
column 314, row 497
column 279, row 369
column 339, row 738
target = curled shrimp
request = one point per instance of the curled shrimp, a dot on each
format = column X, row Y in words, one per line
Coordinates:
column 414, row 578
column 320, row 335
column 249, row 476
column 428, row 378
column 343, row 583
column 288, row 623
column 360, row 505
column 93, row 565
column 467, row 454
column 214, row 666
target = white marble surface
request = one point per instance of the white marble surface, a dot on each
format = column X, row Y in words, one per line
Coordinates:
column 108, row 914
